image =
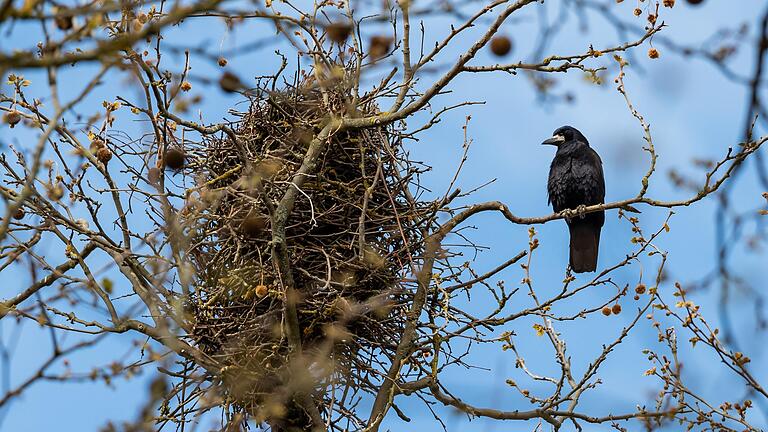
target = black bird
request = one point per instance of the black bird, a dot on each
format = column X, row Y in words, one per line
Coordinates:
column 575, row 181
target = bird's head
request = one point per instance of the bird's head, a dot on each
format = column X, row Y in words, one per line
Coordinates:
column 565, row 134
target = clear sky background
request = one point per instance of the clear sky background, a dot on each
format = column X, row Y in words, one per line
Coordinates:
column 694, row 113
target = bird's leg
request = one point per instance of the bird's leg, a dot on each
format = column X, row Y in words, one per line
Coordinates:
column 580, row 210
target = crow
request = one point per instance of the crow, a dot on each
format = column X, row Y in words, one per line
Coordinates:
column 575, row 181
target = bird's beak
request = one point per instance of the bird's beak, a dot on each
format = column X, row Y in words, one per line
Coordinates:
column 555, row 140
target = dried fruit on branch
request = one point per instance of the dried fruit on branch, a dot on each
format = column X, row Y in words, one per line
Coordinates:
column 338, row 32
column 230, row 82
column 379, row 46
column 174, row 158
column 501, row 45
column 12, row 118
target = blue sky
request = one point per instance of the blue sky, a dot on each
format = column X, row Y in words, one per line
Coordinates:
column 693, row 112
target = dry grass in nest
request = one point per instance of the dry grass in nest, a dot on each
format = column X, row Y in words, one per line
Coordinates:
column 350, row 303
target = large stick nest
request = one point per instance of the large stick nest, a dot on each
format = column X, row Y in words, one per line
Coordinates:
column 351, row 237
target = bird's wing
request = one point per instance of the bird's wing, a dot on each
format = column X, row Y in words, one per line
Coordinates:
column 595, row 187
column 555, row 183
column 585, row 182
column 599, row 178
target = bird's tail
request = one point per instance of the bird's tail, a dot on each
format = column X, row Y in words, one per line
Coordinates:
column 585, row 242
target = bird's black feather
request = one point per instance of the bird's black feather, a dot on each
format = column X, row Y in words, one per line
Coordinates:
column 575, row 179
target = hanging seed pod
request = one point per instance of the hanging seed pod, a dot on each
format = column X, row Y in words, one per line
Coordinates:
column 501, row 45
column 174, row 159
column 338, row 32
column 64, row 21
column 379, row 46
column 230, row 82
column 97, row 144
column 12, row 118
column 104, row 155
column 55, row 193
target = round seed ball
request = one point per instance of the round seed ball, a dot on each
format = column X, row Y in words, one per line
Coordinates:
column 96, row 145
column 104, row 155
column 63, row 22
column 261, row 291
column 12, row 118
column 379, row 46
column 55, row 193
column 501, row 45
column 230, row 82
column 174, row 159
column 338, row 32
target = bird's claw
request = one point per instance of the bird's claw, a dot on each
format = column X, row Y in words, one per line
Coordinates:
column 572, row 213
